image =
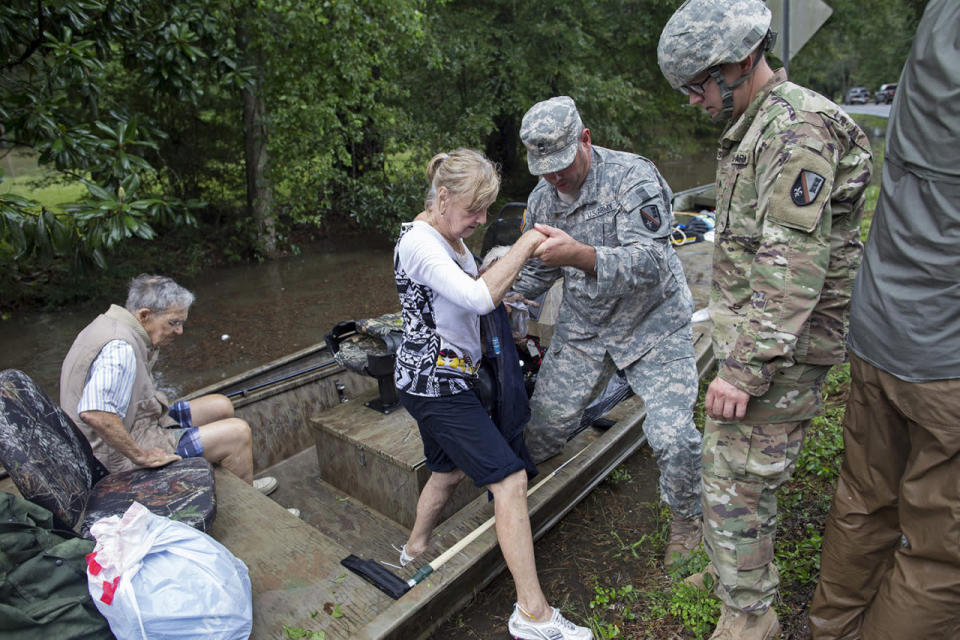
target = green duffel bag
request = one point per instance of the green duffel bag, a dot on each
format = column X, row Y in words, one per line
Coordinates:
column 43, row 580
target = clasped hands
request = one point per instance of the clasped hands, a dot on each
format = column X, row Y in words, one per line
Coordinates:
column 557, row 248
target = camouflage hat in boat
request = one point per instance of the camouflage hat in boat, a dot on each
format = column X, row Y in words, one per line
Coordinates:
column 551, row 131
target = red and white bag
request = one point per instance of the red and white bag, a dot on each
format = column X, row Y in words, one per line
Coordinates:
column 152, row 577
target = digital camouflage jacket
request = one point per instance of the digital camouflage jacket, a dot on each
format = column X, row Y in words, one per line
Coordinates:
column 639, row 295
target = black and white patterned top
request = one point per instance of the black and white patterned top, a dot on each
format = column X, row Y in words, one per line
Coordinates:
column 441, row 301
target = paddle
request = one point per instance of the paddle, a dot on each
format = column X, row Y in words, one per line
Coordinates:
column 393, row 586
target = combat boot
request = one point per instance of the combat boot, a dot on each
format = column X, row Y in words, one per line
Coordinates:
column 740, row 625
column 705, row 580
column 685, row 536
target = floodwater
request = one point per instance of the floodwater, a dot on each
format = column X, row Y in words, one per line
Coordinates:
column 248, row 315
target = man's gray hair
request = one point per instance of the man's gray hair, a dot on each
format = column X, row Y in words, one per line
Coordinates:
column 157, row 293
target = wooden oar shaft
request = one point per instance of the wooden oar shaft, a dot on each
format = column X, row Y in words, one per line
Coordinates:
column 442, row 559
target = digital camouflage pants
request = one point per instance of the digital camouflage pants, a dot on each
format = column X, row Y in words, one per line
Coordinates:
column 744, row 463
column 666, row 379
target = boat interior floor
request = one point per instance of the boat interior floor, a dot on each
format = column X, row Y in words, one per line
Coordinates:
column 294, row 562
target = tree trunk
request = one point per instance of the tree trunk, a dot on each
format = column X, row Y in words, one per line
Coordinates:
column 259, row 189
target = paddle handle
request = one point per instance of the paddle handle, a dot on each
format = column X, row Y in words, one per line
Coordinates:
column 440, row 560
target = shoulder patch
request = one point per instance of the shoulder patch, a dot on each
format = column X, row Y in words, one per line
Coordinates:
column 651, row 217
column 806, row 187
column 801, row 190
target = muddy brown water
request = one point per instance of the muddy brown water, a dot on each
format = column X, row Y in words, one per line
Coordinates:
column 243, row 316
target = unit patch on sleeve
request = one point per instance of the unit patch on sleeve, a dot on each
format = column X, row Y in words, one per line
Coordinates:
column 806, row 187
column 651, row 217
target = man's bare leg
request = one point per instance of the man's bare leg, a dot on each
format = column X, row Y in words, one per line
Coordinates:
column 228, row 442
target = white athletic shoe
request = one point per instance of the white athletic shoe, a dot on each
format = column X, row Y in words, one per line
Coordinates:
column 265, row 485
column 556, row 628
column 405, row 558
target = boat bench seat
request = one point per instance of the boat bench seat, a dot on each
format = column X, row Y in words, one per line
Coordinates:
column 378, row 458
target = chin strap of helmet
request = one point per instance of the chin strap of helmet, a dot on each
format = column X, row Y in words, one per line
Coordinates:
column 726, row 89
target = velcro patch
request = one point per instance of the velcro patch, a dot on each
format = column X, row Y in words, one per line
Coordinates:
column 801, row 191
column 806, row 187
column 651, row 217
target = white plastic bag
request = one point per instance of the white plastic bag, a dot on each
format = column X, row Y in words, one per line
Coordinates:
column 152, row 577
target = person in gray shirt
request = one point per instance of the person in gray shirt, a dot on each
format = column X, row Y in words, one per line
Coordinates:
column 890, row 567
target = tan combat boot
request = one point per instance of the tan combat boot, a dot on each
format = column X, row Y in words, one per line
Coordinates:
column 739, row 625
column 704, row 580
column 685, row 536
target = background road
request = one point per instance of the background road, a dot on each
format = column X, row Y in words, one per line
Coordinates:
column 882, row 110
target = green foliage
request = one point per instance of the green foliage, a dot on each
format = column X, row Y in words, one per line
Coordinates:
column 618, row 475
column 610, row 607
column 838, row 380
column 696, row 608
column 799, row 561
column 60, row 74
column 628, row 548
column 299, row 633
column 864, row 43
column 822, row 452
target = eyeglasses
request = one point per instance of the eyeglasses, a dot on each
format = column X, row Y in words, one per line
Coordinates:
column 695, row 87
column 175, row 324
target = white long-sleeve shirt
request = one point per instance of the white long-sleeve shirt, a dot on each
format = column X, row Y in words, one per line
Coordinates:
column 442, row 301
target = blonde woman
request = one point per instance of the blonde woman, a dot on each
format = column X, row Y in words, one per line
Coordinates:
column 442, row 297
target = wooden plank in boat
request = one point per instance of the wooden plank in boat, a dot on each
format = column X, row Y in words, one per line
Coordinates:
column 378, row 459
column 295, row 569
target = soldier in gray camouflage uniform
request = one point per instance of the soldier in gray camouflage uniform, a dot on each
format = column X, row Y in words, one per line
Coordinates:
column 626, row 304
column 792, row 172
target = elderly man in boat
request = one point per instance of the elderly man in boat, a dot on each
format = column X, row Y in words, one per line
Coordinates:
column 107, row 388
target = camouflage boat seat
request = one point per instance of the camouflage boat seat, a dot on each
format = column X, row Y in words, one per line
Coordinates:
column 369, row 347
column 52, row 465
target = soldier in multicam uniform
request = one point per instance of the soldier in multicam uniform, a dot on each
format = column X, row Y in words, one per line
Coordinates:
column 792, row 172
column 626, row 304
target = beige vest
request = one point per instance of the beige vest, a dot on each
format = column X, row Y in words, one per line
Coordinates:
column 147, row 412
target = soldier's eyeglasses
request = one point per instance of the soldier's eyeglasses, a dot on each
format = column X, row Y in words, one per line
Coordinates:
column 695, row 88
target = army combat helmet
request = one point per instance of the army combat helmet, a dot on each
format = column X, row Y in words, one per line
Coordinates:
column 704, row 34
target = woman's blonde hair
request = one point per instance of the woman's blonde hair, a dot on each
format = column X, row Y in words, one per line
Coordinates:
column 467, row 174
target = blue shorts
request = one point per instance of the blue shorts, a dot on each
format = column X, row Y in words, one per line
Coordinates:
column 458, row 433
column 189, row 445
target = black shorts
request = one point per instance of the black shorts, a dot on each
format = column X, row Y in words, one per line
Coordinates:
column 458, row 433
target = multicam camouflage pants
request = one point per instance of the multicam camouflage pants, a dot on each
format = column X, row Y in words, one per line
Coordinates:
column 744, row 463
column 666, row 379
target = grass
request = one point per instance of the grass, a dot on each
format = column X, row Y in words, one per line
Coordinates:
column 45, row 188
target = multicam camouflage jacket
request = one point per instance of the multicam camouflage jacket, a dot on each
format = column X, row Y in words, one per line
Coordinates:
column 791, row 175
column 639, row 294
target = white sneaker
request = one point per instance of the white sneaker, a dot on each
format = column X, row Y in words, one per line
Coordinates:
column 265, row 485
column 405, row 558
column 556, row 628
column 294, row 512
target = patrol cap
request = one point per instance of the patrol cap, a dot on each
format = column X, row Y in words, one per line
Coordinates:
column 551, row 131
